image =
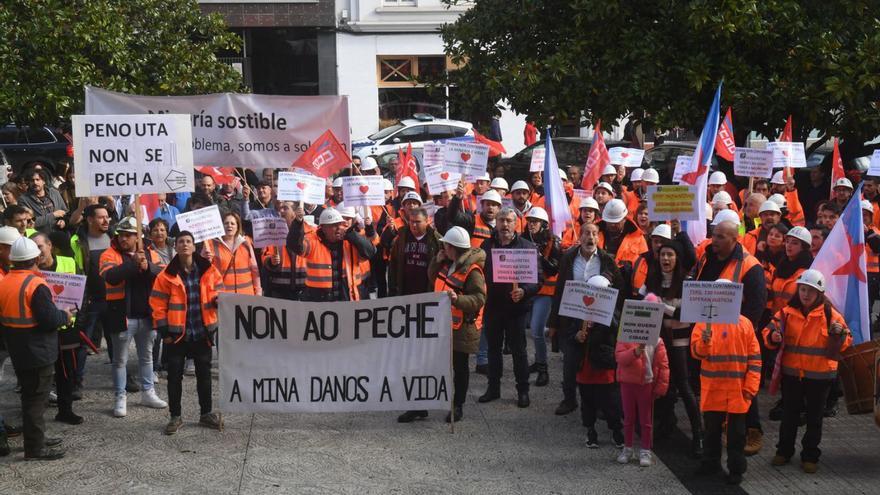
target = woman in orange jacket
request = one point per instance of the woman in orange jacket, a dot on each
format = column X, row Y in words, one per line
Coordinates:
column 233, row 256
column 810, row 334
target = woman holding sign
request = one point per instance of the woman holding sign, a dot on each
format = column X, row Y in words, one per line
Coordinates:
column 233, row 256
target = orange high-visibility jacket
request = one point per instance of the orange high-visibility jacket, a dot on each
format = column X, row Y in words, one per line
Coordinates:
column 640, row 272
column 482, row 231
column 238, row 267
column 319, row 265
column 808, row 351
column 873, row 259
column 111, row 258
column 731, row 365
column 168, row 299
column 456, row 282
column 631, row 246
column 548, row 287
column 781, row 290
column 277, row 275
column 15, row 298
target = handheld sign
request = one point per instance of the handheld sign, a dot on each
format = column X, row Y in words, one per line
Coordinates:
column 711, row 302
column 269, row 230
column 751, row 162
column 440, row 181
column 628, row 157
column 299, row 186
column 587, row 302
column 432, row 155
column 874, row 167
column 465, row 158
column 788, row 154
column 132, row 154
column 581, row 194
column 512, row 266
column 363, row 190
column 67, row 289
column 640, row 322
column 204, row 223
column 673, row 203
column 682, row 166
column 537, row 163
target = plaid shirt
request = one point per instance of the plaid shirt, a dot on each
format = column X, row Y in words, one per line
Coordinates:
column 195, row 326
column 339, row 290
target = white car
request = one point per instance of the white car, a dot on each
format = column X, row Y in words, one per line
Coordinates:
column 420, row 129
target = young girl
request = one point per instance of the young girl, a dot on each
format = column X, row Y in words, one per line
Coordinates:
column 643, row 373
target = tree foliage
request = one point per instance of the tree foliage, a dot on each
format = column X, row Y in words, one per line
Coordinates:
column 52, row 48
column 660, row 61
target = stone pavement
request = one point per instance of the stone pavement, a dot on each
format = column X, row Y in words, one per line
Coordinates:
column 498, row 448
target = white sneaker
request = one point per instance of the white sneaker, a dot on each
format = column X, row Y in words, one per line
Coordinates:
column 625, row 455
column 120, row 409
column 645, row 458
column 150, row 399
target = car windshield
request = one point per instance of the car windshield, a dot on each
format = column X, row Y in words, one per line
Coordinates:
column 386, row 132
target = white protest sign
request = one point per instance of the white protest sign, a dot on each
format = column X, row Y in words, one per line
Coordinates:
column 132, row 154
column 363, row 190
column 204, row 223
column 711, row 302
column 67, row 289
column 640, row 322
column 581, row 195
column 673, row 203
column 537, row 163
column 628, row 157
column 390, row 354
column 787, row 154
column 874, row 167
column 440, row 180
column 300, row 186
column 432, row 155
column 515, row 266
column 587, row 302
column 239, row 130
column 269, row 230
column 682, row 166
column 751, row 162
column 465, row 158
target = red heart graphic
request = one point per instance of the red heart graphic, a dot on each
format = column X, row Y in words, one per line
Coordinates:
column 588, row 300
column 301, row 186
column 364, row 188
column 465, row 157
column 444, row 175
column 624, row 155
column 57, row 289
column 784, row 152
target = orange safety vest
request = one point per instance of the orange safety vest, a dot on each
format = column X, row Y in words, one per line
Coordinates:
column 734, row 271
column 319, row 266
column 548, row 288
column 872, row 258
column 631, row 246
column 16, row 293
column 781, row 290
column 806, row 351
column 469, row 202
column 572, row 235
column 111, row 258
column 731, row 365
column 456, row 282
column 277, row 275
column 234, row 267
column 482, row 231
column 168, row 301
column 750, row 240
column 640, row 273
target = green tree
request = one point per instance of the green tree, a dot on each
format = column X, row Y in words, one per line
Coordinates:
column 52, row 48
column 659, row 62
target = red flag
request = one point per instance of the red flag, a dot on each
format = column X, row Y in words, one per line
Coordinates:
column 406, row 167
column 837, row 171
column 495, row 148
column 596, row 160
column 786, row 138
column 324, row 157
column 724, row 143
column 221, row 175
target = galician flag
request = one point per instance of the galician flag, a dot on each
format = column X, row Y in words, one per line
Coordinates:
column 698, row 172
column 554, row 193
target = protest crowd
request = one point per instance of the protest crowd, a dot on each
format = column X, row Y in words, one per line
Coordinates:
column 160, row 290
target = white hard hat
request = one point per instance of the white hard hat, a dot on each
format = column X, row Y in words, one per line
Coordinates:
column 8, row 235
column 599, row 281
column 520, row 186
column 717, row 179
column 411, row 196
column 604, row 185
column 778, row 199
column 24, row 249
column 389, row 186
column 726, row 216
column 636, row 174
column 484, row 176
column 867, row 205
column 491, row 195
column 721, row 198
column 590, row 203
column 499, row 183
column 651, row 175
column 127, row 224
column 563, row 175
column 777, row 178
column 346, row 211
column 407, row 182
column 769, row 206
column 330, row 217
column 337, row 182
column 843, row 182
column 801, row 234
column 812, row 278
column 369, row 163
column 609, row 169
column 457, row 237
column 615, row 211
column 538, row 213
column 663, row 230
column 723, row 281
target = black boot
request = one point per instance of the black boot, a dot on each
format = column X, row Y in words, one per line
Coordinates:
column 697, row 445
column 4, row 445
column 489, row 396
column 523, row 400
column 69, row 417
column 533, row 368
column 456, row 415
column 410, row 416
column 543, row 378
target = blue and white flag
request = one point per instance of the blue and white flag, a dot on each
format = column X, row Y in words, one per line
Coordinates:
column 698, row 172
column 554, row 193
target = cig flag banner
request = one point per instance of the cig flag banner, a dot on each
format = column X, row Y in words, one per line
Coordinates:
column 699, row 167
column 555, row 200
column 390, row 354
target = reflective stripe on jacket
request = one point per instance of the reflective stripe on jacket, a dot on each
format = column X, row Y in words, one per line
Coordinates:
column 809, row 351
column 234, row 266
column 731, row 365
column 16, row 293
column 456, row 282
column 168, row 299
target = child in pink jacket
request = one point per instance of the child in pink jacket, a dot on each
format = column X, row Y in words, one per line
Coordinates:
column 643, row 374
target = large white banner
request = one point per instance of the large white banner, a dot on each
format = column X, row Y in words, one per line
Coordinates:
column 390, row 354
column 241, row 130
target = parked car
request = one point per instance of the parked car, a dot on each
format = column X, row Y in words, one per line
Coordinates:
column 420, row 129
column 569, row 151
column 26, row 146
column 663, row 156
column 822, row 157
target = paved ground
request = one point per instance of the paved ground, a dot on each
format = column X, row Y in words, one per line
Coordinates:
column 498, row 448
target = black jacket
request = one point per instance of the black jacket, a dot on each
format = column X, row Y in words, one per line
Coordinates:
column 498, row 294
column 138, row 286
column 599, row 347
column 607, row 268
column 31, row 348
column 754, row 283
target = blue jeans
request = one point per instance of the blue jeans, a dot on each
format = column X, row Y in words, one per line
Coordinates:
column 141, row 330
column 540, row 313
column 483, row 352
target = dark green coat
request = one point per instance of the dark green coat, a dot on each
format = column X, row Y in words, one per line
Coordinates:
column 467, row 338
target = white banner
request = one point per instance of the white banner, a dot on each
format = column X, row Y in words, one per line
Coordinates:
column 300, row 186
column 515, row 266
column 537, row 163
column 628, row 157
column 751, row 162
column 466, row 158
column 67, row 289
column 874, row 167
column 363, row 190
column 204, row 223
column 132, row 154
column 240, row 130
column 682, row 166
column 587, row 302
column 711, row 302
column 787, row 154
column 640, row 322
column 390, row 354
column 269, row 230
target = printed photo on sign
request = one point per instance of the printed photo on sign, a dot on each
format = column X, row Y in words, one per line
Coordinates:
column 751, row 162
column 363, row 190
column 537, row 163
column 440, row 180
column 299, row 186
column 587, row 302
column 640, row 322
column 515, row 266
column 269, row 230
column 465, row 158
column 204, row 223
column 787, row 154
column 67, row 289
column 672, row 203
column 132, row 154
column 711, row 302
column 628, row 157
column 682, row 166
